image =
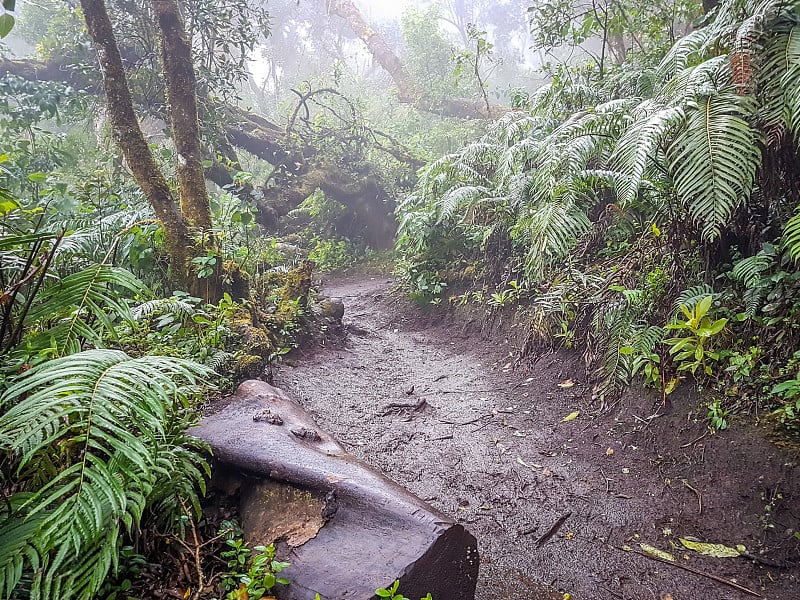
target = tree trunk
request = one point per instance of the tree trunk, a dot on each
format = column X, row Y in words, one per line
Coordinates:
column 378, row 47
column 176, row 60
column 176, row 64
column 131, row 141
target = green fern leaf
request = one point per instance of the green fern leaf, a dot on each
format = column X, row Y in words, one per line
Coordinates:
column 639, row 145
column 714, row 160
column 60, row 317
column 114, row 411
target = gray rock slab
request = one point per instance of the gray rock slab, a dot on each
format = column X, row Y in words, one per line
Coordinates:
column 346, row 529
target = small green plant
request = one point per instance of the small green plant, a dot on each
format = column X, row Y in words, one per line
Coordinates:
column 251, row 575
column 332, row 254
column 645, row 363
column 392, row 594
column 205, row 265
column 741, row 365
column 693, row 350
column 131, row 564
column 788, row 414
column 425, row 287
column 507, row 296
column 717, row 416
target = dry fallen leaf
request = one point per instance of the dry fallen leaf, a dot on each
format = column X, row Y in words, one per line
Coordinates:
column 567, row 383
column 715, row 550
column 569, row 535
column 609, row 452
column 547, row 472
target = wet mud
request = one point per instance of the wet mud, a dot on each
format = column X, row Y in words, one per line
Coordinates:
column 558, row 506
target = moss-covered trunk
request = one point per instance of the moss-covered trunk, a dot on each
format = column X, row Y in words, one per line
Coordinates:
column 131, row 141
column 176, row 61
column 181, row 84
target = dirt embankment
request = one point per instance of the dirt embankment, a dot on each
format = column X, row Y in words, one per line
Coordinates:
column 552, row 501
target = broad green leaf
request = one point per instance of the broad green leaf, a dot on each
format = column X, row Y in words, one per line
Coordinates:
column 37, row 177
column 703, row 306
column 6, row 24
column 718, row 326
column 6, row 206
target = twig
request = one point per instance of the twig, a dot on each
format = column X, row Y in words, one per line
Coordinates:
column 553, row 530
column 693, row 442
column 457, row 391
column 699, row 496
column 462, row 423
column 608, row 481
column 711, row 576
column 479, row 427
column 198, row 561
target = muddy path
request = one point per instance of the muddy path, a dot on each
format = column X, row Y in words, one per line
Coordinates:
column 442, row 412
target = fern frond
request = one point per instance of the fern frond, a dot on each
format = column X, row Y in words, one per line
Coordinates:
column 778, row 78
column 111, row 411
column 791, row 237
column 62, row 310
column 691, row 296
column 685, row 51
column 158, row 306
column 219, row 360
column 639, row 145
column 790, row 82
column 749, row 270
column 457, row 199
column 551, row 230
column 714, row 160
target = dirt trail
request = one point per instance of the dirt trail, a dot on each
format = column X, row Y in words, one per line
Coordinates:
column 442, row 413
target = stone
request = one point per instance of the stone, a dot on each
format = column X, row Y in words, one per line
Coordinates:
column 332, row 308
column 345, row 528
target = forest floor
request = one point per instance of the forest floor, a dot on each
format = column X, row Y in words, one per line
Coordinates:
column 439, row 407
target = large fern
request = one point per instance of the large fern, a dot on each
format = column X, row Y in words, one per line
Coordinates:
column 113, row 420
column 81, row 307
column 714, row 159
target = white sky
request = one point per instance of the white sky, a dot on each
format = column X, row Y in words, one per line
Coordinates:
column 383, row 10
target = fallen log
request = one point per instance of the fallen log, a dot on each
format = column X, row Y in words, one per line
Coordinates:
column 346, row 529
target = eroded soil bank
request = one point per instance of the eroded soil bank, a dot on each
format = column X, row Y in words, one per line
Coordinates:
column 442, row 412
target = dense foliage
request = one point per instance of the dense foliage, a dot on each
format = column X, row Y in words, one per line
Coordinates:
column 610, row 202
column 643, row 207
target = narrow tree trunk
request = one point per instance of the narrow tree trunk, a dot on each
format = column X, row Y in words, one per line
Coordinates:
column 131, row 141
column 380, row 50
column 176, row 60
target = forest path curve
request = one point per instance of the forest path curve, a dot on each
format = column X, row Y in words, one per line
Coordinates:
column 441, row 411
